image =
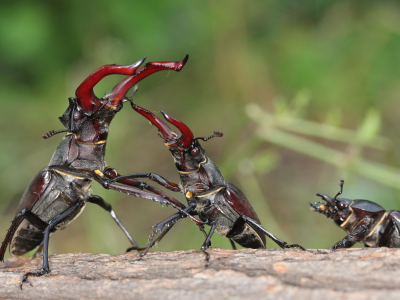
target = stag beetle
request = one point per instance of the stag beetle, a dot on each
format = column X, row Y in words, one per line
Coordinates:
column 217, row 202
column 364, row 221
column 59, row 192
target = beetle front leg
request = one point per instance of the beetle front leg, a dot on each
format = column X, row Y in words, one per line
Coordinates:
column 279, row 242
column 357, row 235
column 156, row 195
column 103, row 204
column 158, row 228
column 115, row 177
column 169, row 222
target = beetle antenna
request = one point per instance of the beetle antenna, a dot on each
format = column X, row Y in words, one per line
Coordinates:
column 135, row 89
column 341, row 183
column 215, row 134
column 52, row 132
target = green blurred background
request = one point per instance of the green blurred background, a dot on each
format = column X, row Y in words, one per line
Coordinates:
column 305, row 92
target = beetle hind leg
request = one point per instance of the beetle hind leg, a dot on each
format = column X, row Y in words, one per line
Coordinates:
column 279, row 242
column 48, row 229
column 207, row 242
column 34, row 274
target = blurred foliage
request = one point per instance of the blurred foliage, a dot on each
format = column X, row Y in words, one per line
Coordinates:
column 338, row 62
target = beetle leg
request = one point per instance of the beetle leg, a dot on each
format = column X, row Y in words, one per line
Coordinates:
column 24, row 214
column 207, row 242
column 169, row 222
column 156, row 194
column 151, row 176
column 151, row 243
column 50, row 225
column 353, row 237
column 233, row 244
column 279, row 242
column 159, row 228
column 38, row 251
column 103, row 204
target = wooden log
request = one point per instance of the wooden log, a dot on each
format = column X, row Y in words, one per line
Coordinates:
column 242, row 274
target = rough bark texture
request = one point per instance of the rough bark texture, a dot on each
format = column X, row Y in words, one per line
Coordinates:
column 243, row 274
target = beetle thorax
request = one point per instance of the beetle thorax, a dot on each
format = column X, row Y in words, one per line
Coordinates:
column 342, row 217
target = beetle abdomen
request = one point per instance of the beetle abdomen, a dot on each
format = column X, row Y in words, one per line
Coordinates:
column 56, row 197
column 245, row 235
column 27, row 237
column 25, row 240
column 229, row 222
column 249, row 238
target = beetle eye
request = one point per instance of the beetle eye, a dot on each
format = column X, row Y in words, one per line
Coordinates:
column 77, row 115
column 341, row 206
column 194, row 151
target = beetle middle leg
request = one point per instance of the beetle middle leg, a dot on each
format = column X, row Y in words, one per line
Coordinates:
column 279, row 242
column 34, row 219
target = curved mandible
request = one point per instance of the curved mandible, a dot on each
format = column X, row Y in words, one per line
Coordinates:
column 186, row 138
column 168, row 134
column 119, row 91
column 86, row 98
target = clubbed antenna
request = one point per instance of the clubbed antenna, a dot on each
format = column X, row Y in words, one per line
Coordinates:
column 52, row 132
column 341, row 183
column 215, row 134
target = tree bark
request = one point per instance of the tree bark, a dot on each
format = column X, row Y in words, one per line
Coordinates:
column 242, row 274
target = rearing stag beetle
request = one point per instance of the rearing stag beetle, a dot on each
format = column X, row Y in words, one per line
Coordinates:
column 59, row 192
column 364, row 221
column 217, row 202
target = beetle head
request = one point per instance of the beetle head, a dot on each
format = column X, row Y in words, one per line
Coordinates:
column 186, row 150
column 335, row 208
